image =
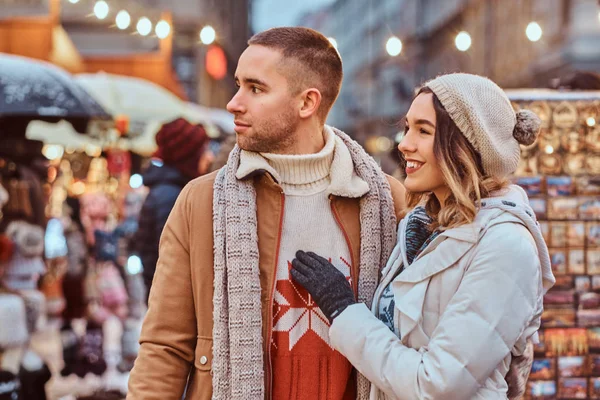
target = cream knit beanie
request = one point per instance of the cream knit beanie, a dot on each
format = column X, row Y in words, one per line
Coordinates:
column 484, row 115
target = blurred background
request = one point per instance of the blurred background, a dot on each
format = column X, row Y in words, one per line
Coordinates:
column 96, row 94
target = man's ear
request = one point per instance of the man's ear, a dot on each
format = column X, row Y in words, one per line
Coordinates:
column 311, row 100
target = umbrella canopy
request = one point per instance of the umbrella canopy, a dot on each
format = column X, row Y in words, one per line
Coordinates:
column 36, row 90
column 140, row 100
column 220, row 117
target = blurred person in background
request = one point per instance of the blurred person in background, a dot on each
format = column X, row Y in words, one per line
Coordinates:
column 225, row 147
column 182, row 155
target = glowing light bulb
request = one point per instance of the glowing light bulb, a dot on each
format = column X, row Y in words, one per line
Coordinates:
column 208, row 35
column 101, row 9
column 463, row 41
column 134, row 265
column 162, row 29
column 534, row 31
column 136, row 181
column 144, row 26
column 52, row 152
column 123, row 20
column 393, row 46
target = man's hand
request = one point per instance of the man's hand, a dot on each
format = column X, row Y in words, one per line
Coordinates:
column 326, row 284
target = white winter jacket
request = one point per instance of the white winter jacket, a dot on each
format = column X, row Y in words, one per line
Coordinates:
column 471, row 298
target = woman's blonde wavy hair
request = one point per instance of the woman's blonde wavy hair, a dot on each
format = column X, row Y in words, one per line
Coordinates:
column 463, row 173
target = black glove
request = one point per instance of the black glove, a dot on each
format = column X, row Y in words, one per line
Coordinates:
column 326, row 284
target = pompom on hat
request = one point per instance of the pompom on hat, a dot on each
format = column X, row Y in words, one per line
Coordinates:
column 484, row 115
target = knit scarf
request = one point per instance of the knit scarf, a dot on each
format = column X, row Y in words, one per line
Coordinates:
column 237, row 367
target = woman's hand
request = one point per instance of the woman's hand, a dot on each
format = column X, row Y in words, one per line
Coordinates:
column 325, row 283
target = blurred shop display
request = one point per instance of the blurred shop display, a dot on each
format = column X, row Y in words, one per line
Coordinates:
column 67, row 219
column 23, row 266
column 561, row 174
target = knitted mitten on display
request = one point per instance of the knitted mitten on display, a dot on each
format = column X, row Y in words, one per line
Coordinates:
column 113, row 294
column 70, row 346
column 95, row 212
column 91, row 352
column 10, row 386
column 51, row 285
column 26, row 264
column 129, row 344
column 137, row 295
column 75, row 300
column 6, row 251
column 106, row 245
column 34, row 374
column 35, row 307
column 13, row 321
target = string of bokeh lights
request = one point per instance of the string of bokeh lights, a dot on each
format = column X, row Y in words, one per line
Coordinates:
column 143, row 26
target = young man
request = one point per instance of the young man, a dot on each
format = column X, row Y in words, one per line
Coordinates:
column 223, row 305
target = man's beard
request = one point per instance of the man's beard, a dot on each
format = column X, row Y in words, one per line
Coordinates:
column 274, row 136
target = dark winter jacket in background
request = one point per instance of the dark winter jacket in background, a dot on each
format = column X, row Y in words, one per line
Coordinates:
column 165, row 184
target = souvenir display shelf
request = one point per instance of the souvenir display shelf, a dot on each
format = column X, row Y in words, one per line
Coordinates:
column 561, row 175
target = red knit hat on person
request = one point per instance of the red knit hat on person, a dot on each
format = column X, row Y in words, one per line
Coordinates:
column 180, row 145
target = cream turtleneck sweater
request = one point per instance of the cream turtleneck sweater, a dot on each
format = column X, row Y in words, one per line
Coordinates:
column 304, row 175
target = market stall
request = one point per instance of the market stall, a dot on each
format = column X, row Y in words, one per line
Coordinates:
column 561, row 174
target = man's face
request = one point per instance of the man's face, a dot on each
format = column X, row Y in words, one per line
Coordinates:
column 265, row 110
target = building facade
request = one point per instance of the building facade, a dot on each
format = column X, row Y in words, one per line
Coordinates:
column 378, row 88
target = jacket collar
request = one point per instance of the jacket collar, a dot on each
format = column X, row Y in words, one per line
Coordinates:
column 466, row 233
column 345, row 182
column 489, row 210
column 464, row 238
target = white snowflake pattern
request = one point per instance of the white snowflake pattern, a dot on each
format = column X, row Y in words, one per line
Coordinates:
column 300, row 313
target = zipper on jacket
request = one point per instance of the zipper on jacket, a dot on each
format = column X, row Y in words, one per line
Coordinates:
column 269, row 388
column 354, row 266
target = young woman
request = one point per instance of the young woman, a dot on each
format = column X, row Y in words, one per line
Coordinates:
column 462, row 292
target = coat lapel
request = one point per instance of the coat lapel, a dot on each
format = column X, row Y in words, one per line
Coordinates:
column 410, row 287
column 409, row 300
column 442, row 253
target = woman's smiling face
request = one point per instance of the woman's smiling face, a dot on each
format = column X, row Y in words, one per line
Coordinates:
column 423, row 173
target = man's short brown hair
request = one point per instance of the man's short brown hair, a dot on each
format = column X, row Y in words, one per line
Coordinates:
column 314, row 61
